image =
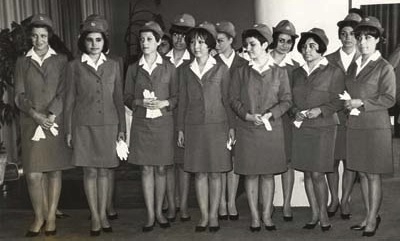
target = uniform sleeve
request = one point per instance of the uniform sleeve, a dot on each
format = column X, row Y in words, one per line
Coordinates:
column 118, row 99
column 386, row 91
column 337, row 87
column 56, row 105
column 173, row 90
column 234, row 92
column 284, row 95
column 129, row 90
column 182, row 100
column 70, row 94
column 226, row 80
column 23, row 103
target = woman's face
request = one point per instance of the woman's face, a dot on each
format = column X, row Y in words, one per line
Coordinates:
column 199, row 47
column 284, row 44
column 164, row 47
column 148, row 42
column 367, row 44
column 40, row 39
column 94, row 43
column 178, row 41
column 347, row 37
column 254, row 47
column 309, row 50
column 223, row 43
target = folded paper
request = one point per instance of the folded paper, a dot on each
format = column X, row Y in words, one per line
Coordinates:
column 151, row 113
column 346, row 96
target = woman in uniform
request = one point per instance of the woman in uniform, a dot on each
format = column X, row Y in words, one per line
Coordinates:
column 95, row 117
column 316, row 87
column 205, row 122
column 151, row 92
column 260, row 95
column 371, row 84
column 226, row 54
column 39, row 89
column 284, row 38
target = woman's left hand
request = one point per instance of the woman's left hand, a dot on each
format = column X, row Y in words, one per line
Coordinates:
column 121, row 136
column 353, row 103
column 232, row 135
column 158, row 104
column 313, row 113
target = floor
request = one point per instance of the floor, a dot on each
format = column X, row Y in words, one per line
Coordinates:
column 16, row 215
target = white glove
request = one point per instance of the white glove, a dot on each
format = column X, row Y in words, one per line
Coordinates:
column 346, row 96
column 39, row 134
column 122, row 150
column 298, row 123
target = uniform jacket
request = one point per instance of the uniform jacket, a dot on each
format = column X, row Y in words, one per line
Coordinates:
column 163, row 81
column 320, row 89
column 237, row 62
column 255, row 93
column 205, row 100
column 40, row 87
column 375, row 85
column 94, row 97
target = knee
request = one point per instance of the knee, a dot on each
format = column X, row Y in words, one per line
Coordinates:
column 267, row 177
column 214, row 176
column 200, row 176
column 54, row 175
column 34, row 177
column 318, row 176
column 90, row 172
column 147, row 170
column 251, row 178
column 161, row 171
column 103, row 173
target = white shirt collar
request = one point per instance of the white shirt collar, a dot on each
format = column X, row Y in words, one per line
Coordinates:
column 170, row 54
column 373, row 57
column 323, row 61
column 288, row 60
column 31, row 53
column 228, row 61
column 270, row 62
column 86, row 58
column 346, row 58
column 145, row 65
column 194, row 66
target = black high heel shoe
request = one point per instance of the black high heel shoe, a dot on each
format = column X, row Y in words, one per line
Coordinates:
column 185, row 219
column 95, row 233
column 326, row 228
column 310, row 225
column 223, row 217
column 171, row 220
column 50, row 233
column 332, row 213
column 234, row 217
column 112, row 216
column 287, row 218
column 255, row 229
column 213, row 229
column 372, row 233
column 146, row 229
column 270, row 227
column 30, row 233
column 107, row 230
column 345, row 216
column 199, row 228
column 164, row 225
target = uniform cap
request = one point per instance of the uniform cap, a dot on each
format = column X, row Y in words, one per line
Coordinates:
column 264, row 30
column 316, row 32
column 95, row 24
column 41, row 19
column 371, row 22
column 351, row 18
column 152, row 26
column 209, row 27
column 184, row 20
column 286, row 27
column 226, row 27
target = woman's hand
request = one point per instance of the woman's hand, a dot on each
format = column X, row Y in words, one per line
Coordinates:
column 41, row 120
column 52, row 118
column 232, row 135
column 69, row 140
column 158, row 104
column 353, row 103
column 256, row 118
column 313, row 113
column 147, row 102
column 121, row 136
column 300, row 116
column 181, row 139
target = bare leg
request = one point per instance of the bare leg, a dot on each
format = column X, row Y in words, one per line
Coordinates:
column 365, row 193
column 251, row 185
column 160, row 187
column 148, row 193
column 333, row 183
column 170, row 179
column 215, row 197
column 267, row 193
column 34, row 181
column 375, row 199
column 45, row 185
column 287, row 188
column 54, row 191
column 201, row 184
column 347, row 187
column 110, row 195
column 90, row 186
column 103, row 182
column 321, row 193
column 233, row 183
column 184, row 184
column 308, row 184
column 222, row 204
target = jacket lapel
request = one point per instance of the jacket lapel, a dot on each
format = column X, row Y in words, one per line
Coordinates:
column 367, row 69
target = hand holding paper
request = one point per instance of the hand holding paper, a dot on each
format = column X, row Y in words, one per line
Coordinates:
column 151, row 113
column 39, row 133
column 298, row 123
column 265, row 120
column 346, row 96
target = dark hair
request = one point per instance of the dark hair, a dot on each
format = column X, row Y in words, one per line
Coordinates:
column 275, row 37
column 204, row 34
column 322, row 47
column 167, row 38
column 81, row 42
column 255, row 34
column 48, row 28
column 367, row 30
column 156, row 35
column 351, row 24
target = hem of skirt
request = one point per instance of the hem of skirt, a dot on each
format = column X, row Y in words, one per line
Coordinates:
column 208, row 171
column 370, row 172
column 96, row 166
column 49, row 170
column 261, row 173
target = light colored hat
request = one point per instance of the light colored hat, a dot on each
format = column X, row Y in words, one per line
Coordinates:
column 286, row 27
column 152, row 26
column 226, row 27
column 41, row 19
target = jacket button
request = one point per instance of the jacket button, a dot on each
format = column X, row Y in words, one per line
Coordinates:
column 99, row 111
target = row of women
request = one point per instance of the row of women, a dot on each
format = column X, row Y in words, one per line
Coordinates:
column 190, row 108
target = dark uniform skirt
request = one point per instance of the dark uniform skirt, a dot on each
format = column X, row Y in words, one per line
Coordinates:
column 94, row 146
column 287, row 131
column 313, row 148
column 205, row 148
column 152, row 141
column 46, row 155
column 340, row 143
column 259, row 151
column 369, row 151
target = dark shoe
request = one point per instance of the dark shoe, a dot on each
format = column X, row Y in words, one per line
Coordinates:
column 255, row 229
column 146, row 229
column 372, row 233
column 223, row 217
column 62, row 216
column 270, row 228
column 171, row 220
column 34, row 234
column 310, row 225
column 287, row 218
column 50, row 233
column 200, row 229
column 332, row 213
column 345, row 216
column 95, row 233
column 108, row 230
column 213, row 229
column 358, row 227
column 112, row 216
column 234, row 217
column 326, row 228
column 164, row 225
column 185, row 219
